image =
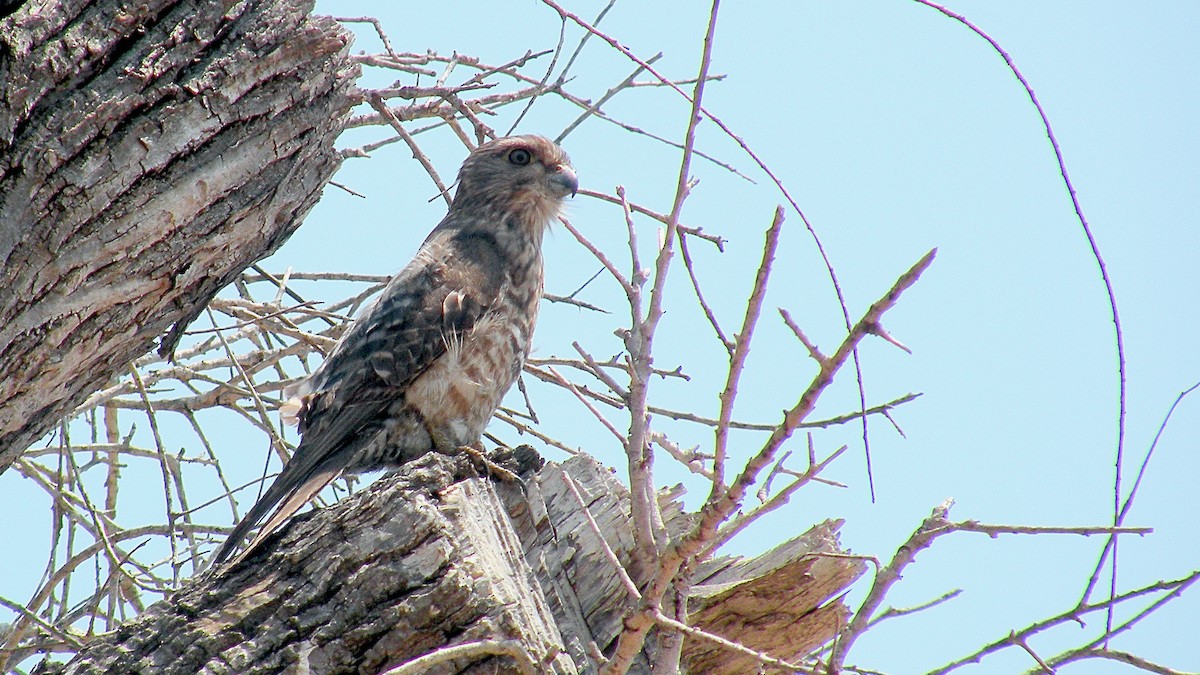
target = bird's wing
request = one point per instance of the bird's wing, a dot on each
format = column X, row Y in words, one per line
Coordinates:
column 439, row 296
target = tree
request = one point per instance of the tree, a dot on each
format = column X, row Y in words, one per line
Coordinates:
column 152, row 153
column 567, row 571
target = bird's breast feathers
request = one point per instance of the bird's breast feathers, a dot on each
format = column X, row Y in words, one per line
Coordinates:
column 458, row 393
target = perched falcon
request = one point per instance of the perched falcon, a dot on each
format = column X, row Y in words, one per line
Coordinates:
column 425, row 367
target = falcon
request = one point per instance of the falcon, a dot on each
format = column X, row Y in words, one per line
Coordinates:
column 424, row 368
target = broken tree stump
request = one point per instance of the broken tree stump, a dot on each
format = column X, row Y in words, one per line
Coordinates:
column 426, row 560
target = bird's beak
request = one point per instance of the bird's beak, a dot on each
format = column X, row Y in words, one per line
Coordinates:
column 563, row 181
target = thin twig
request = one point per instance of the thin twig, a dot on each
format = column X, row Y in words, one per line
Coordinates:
column 377, row 103
column 469, row 650
column 1108, row 286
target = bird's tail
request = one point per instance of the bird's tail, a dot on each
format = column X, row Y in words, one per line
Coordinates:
column 293, row 490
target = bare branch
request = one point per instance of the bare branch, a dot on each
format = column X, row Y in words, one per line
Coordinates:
column 765, row 659
column 377, row 103
column 1122, row 387
column 448, row 655
column 741, row 350
column 1118, row 656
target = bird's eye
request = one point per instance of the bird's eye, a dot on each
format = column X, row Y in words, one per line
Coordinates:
column 519, row 156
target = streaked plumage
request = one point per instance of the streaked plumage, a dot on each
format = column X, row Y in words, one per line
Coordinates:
column 425, row 367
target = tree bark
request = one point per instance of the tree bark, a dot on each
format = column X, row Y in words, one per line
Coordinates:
column 149, row 152
column 426, row 560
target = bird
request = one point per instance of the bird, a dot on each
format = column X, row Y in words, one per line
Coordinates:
column 425, row 366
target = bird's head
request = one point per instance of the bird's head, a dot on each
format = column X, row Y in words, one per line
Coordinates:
column 526, row 177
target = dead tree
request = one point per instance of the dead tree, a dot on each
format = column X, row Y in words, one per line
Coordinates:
column 149, row 152
column 450, row 573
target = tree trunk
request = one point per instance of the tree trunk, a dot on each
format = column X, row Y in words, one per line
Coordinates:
column 513, row 575
column 149, row 152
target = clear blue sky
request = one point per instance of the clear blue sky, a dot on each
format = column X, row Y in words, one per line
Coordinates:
column 897, row 131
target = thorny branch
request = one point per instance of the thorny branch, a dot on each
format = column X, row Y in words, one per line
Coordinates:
column 716, row 511
column 936, row 525
column 1166, row 590
column 1118, row 332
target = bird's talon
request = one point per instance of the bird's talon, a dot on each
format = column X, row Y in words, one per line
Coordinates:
column 484, row 463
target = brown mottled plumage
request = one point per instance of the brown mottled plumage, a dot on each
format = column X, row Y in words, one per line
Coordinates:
column 425, row 367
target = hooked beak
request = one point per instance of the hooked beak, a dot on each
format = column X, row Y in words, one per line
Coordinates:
column 563, row 181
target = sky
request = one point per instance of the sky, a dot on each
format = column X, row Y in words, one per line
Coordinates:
column 896, row 130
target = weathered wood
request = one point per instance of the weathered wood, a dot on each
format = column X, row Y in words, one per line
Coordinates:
column 415, row 562
column 777, row 603
column 149, row 152
column 426, row 559
column 581, row 586
column 495, row 558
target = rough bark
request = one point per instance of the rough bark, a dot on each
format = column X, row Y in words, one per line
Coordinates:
column 149, row 152
column 426, row 560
